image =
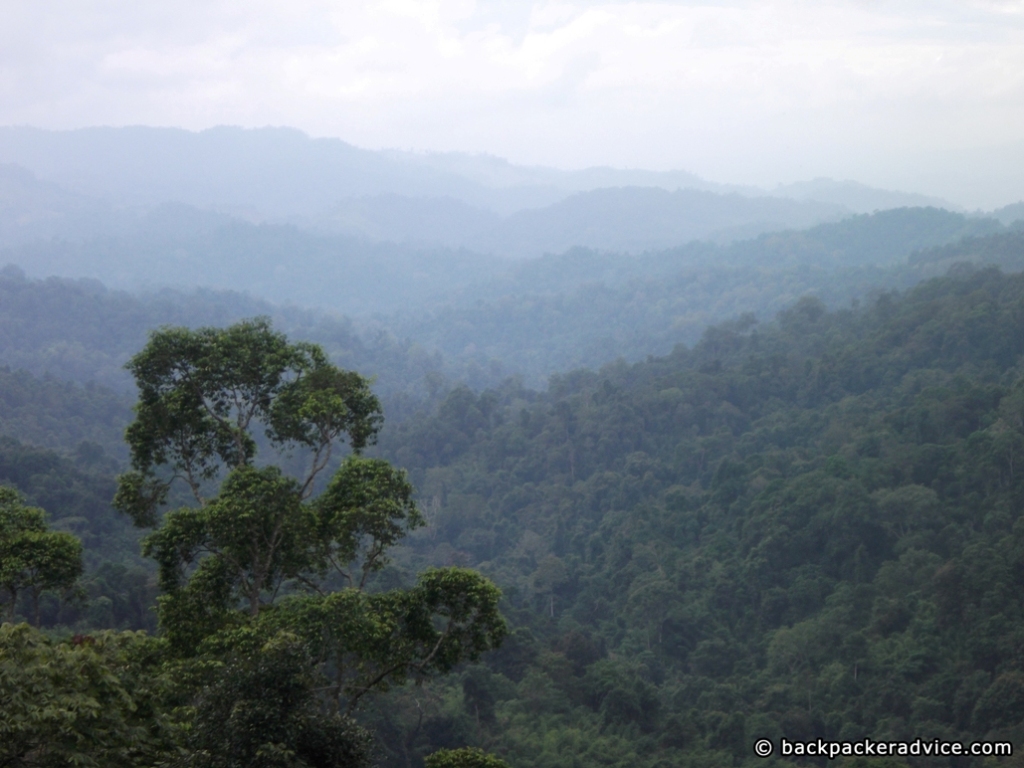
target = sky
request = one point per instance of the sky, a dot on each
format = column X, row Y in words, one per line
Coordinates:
column 919, row 96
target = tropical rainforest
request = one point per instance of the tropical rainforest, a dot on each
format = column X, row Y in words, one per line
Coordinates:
column 591, row 508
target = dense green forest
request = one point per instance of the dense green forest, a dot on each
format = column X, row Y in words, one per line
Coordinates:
column 118, row 589
column 81, row 331
column 272, row 627
column 802, row 527
column 805, row 528
column 809, row 529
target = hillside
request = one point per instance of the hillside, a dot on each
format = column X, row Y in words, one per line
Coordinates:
column 808, row 528
column 496, row 318
column 803, row 528
column 622, row 219
column 81, row 331
column 182, row 247
column 31, row 209
column 584, row 308
column 279, row 172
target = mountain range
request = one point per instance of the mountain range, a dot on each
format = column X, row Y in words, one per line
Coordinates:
column 100, row 181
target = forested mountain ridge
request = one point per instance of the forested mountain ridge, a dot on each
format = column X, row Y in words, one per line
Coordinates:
column 809, row 529
column 545, row 317
column 79, row 330
column 624, row 219
column 534, row 322
column 31, row 209
column 859, row 198
column 881, row 239
column 174, row 245
column 186, row 248
column 534, row 318
column 62, row 416
column 274, row 172
column 104, row 183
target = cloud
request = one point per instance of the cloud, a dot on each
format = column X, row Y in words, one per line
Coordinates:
column 738, row 91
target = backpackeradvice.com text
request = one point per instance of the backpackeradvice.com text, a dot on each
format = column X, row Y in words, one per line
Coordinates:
column 871, row 748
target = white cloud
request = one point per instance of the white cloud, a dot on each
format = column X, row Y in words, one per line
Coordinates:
column 924, row 95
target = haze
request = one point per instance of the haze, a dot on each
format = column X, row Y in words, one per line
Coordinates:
column 685, row 342
column 922, row 97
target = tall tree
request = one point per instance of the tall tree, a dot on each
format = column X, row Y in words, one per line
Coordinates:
column 262, row 560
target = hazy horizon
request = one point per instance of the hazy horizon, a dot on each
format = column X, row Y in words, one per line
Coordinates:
column 481, row 159
column 924, row 98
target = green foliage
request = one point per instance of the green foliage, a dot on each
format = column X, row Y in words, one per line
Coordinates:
column 272, row 656
column 259, row 709
column 33, row 559
column 467, row 757
column 377, row 640
column 203, row 393
column 119, row 585
column 367, row 501
column 90, row 701
column 61, row 330
column 85, row 421
column 807, row 529
column 255, row 530
column 74, row 494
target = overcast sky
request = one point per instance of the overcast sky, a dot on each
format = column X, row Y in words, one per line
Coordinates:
column 921, row 96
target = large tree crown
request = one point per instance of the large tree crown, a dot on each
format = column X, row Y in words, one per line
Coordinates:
column 205, row 395
column 258, row 557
